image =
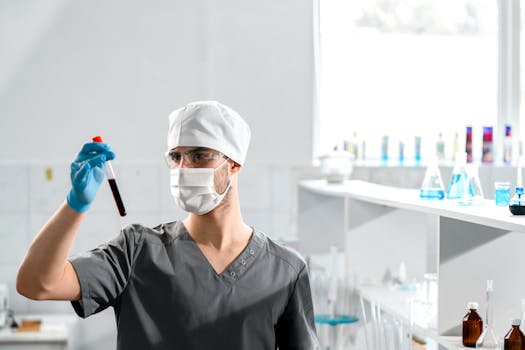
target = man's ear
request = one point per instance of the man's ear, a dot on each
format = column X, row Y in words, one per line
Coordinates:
column 234, row 166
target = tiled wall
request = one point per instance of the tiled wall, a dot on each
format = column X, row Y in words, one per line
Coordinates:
column 32, row 192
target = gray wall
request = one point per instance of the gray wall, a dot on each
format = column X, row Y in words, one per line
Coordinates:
column 118, row 68
column 73, row 69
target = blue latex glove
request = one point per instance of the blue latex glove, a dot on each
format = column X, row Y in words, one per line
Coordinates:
column 87, row 173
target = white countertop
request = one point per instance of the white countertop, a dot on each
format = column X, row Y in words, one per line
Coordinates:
column 54, row 329
column 487, row 214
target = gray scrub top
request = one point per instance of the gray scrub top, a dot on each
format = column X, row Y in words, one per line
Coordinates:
column 166, row 295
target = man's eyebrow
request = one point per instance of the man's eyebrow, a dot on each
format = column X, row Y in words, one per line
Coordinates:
column 191, row 149
column 201, row 149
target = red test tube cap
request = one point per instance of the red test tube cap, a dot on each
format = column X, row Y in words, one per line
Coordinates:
column 97, row 138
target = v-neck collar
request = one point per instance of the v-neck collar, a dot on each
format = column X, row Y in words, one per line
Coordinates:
column 240, row 264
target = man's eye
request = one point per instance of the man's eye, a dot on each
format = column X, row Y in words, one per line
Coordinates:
column 200, row 155
column 175, row 156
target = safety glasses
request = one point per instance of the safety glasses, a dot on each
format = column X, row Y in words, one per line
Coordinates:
column 197, row 158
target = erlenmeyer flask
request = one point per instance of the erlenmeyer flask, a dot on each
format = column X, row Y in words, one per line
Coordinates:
column 458, row 180
column 432, row 187
column 488, row 339
column 473, row 194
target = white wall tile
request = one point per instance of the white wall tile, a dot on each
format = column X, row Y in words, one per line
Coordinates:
column 96, row 229
column 254, row 187
column 282, row 188
column 174, row 215
column 148, row 219
column 13, row 237
column 17, row 302
column 49, row 307
column 260, row 219
column 104, row 202
column 138, row 184
column 46, row 194
column 283, row 226
column 163, row 185
column 14, row 190
column 98, row 331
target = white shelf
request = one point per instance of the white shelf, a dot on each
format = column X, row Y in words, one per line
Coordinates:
column 380, row 226
column 487, row 214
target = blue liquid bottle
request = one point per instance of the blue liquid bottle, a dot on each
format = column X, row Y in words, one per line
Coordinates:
column 432, row 187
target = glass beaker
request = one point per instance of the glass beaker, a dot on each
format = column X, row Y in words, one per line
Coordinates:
column 424, row 305
column 502, row 193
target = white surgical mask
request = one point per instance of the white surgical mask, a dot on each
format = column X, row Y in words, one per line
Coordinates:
column 194, row 189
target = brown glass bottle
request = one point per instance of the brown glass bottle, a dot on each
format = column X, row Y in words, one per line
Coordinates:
column 472, row 326
column 514, row 339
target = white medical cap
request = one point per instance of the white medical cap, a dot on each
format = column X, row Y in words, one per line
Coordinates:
column 210, row 124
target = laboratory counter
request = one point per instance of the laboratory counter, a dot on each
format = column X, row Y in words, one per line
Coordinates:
column 56, row 332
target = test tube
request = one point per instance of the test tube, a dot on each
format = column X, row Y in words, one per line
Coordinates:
column 112, row 182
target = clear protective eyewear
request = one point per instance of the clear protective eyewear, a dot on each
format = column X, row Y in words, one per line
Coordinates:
column 197, row 158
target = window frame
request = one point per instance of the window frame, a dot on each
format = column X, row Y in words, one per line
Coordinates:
column 508, row 77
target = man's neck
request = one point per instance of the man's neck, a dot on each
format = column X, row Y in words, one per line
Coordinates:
column 220, row 229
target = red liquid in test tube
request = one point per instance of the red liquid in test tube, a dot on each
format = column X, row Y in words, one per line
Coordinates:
column 112, row 182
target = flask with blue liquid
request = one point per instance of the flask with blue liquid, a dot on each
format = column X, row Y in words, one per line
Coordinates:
column 432, row 187
column 458, row 180
column 473, row 192
column 465, row 187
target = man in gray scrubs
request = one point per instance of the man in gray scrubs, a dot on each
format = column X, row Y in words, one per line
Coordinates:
column 207, row 282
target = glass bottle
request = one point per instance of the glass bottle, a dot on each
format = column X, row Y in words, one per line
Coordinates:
column 417, row 149
column 384, row 148
column 488, row 339
column 432, row 187
column 514, row 339
column 440, row 147
column 468, row 144
column 401, row 154
column 472, row 325
column 354, row 146
column 455, row 146
column 507, row 145
column 488, row 151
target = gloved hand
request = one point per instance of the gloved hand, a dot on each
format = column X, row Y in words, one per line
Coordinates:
column 87, row 173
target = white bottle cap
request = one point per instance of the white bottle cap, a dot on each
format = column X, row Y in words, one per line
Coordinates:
column 516, row 322
column 472, row 305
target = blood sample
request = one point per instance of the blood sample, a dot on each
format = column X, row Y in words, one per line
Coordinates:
column 112, row 182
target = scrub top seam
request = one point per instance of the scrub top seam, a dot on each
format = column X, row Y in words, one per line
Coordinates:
column 84, row 297
column 297, row 270
column 293, row 292
column 136, row 253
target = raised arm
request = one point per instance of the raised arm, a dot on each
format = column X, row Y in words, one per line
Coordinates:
column 45, row 273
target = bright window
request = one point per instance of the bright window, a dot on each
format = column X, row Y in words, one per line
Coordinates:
column 405, row 69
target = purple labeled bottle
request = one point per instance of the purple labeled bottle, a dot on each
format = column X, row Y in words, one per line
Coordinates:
column 468, row 144
column 488, row 146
